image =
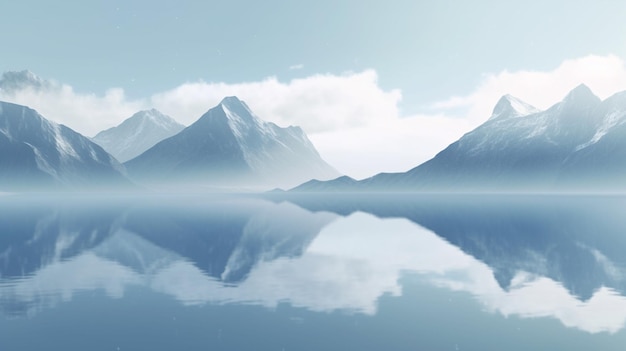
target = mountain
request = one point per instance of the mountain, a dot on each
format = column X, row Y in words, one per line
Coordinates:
column 579, row 144
column 575, row 240
column 230, row 146
column 137, row 134
column 37, row 153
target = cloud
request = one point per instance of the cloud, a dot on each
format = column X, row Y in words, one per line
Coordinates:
column 296, row 67
column 327, row 104
column 605, row 75
column 388, row 145
column 317, row 103
column 86, row 113
column 331, row 274
column 356, row 125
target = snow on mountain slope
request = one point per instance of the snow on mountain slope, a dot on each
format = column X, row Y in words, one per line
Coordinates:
column 522, row 153
column 510, row 107
column 230, row 146
column 579, row 144
column 40, row 153
column 137, row 134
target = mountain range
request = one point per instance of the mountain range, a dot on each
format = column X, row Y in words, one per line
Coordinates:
column 227, row 146
column 579, row 144
column 37, row 153
column 137, row 134
column 230, row 146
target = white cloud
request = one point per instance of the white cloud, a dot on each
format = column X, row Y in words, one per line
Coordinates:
column 330, row 104
column 296, row 67
column 317, row 103
column 605, row 75
column 85, row 113
column 355, row 124
column 391, row 145
column 331, row 274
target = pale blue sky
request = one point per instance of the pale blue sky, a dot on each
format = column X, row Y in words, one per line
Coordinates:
column 429, row 49
column 446, row 62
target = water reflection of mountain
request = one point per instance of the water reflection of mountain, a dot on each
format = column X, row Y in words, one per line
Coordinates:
column 37, row 232
column 576, row 240
column 226, row 239
column 222, row 238
column 505, row 251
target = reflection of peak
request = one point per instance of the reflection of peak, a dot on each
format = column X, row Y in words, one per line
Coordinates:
column 135, row 252
column 228, row 241
column 44, row 233
column 504, row 277
column 283, row 230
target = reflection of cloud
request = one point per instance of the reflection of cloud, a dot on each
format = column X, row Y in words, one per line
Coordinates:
column 348, row 266
column 61, row 280
column 356, row 260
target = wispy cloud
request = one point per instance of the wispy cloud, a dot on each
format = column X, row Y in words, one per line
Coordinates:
column 86, row 113
column 605, row 75
column 317, row 103
column 296, row 67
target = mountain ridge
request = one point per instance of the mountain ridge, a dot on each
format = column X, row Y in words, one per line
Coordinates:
column 575, row 145
column 39, row 154
column 230, row 146
column 137, row 134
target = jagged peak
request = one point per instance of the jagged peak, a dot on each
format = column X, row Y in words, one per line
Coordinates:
column 149, row 116
column 581, row 93
column 152, row 114
column 234, row 104
column 236, row 109
column 231, row 100
column 509, row 107
column 144, row 117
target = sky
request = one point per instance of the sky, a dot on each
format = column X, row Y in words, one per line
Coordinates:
column 378, row 86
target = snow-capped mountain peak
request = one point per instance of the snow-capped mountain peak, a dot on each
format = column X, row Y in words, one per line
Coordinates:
column 229, row 145
column 137, row 134
column 580, row 99
column 39, row 153
column 581, row 91
column 152, row 116
column 510, row 107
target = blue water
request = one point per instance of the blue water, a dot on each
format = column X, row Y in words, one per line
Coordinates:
column 351, row 272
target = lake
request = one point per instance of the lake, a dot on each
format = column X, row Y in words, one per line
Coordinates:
column 315, row 272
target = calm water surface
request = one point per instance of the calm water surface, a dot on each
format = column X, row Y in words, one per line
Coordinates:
column 313, row 273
